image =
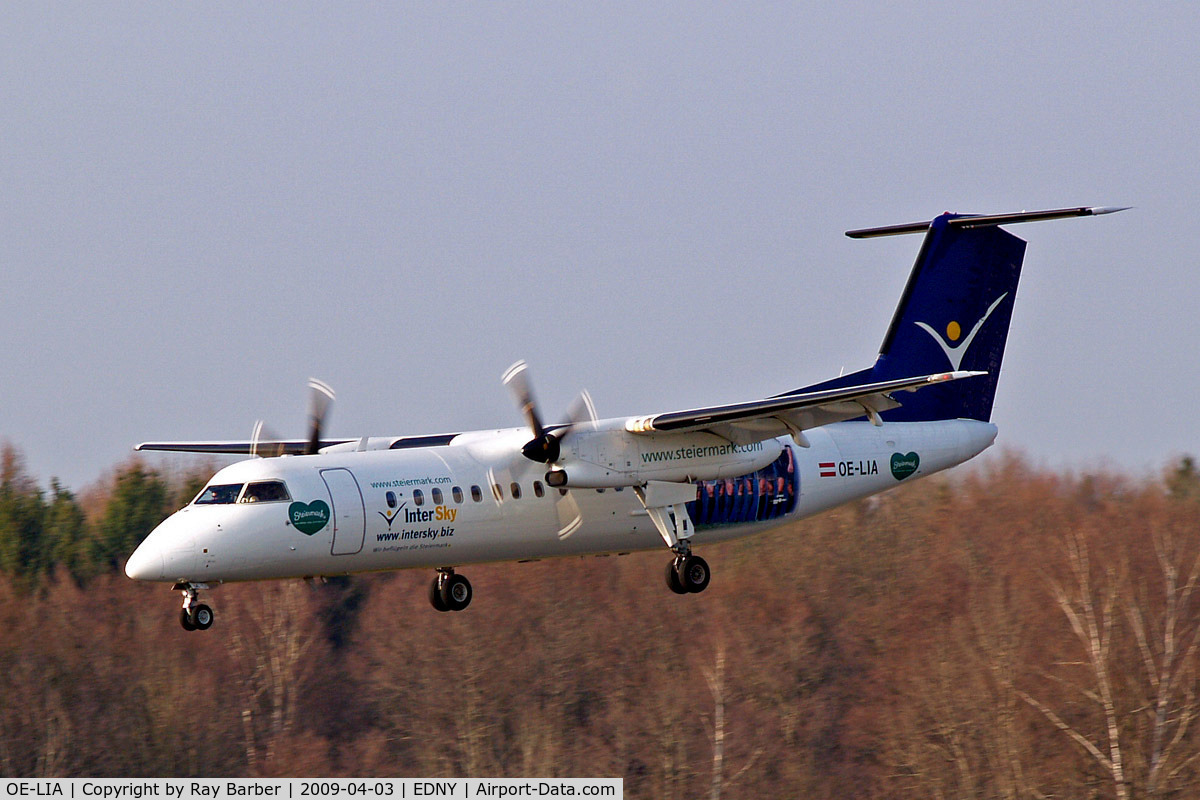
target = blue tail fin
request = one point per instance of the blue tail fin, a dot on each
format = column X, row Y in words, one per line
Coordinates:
column 954, row 314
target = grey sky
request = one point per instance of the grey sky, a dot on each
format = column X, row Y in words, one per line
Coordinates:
column 204, row 204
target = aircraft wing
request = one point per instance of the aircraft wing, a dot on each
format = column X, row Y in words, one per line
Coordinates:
column 273, row 446
column 756, row 420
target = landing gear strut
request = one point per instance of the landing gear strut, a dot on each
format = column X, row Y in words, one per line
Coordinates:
column 194, row 616
column 449, row 591
column 666, row 503
column 687, row 574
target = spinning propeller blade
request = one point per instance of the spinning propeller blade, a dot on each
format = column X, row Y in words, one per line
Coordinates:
column 570, row 518
column 545, row 446
column 516, row 378
column 264, row 443
column 320, row 398
column 581, row 412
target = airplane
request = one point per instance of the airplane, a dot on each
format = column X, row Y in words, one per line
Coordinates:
column 320, row 507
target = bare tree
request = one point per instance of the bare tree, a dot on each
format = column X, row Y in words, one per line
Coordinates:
column 1167, row 643
column 1140, row 677
column 715, row 678
column 272, row 640
column 1090, row 611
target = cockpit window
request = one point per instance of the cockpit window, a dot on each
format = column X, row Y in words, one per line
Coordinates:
column 219, row 494
column 265, row 492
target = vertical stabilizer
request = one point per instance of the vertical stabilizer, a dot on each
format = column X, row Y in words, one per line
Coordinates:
column 954, row 314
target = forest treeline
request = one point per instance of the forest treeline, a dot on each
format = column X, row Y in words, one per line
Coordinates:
column 44, row 531
column 999, row 632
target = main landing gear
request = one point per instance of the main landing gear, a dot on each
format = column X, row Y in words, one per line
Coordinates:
column 666, row 503
column 449, row 591
column 687, row 574
column 194, row 616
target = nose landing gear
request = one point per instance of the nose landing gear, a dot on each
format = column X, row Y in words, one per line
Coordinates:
column 194, row 616
column 449, row 591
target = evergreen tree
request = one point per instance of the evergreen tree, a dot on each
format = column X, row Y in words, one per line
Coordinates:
column 1183, row 481
column 68, row 538
column 137, row 504
column 190, row 485
column 22, row 513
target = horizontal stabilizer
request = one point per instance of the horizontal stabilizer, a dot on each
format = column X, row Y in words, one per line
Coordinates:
column 983, row 220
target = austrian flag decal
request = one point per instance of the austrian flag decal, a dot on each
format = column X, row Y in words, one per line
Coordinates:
column 828, row 469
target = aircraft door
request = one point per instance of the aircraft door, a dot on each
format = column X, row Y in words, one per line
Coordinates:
column 349, row 512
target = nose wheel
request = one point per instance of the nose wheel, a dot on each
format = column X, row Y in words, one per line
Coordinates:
column 449, row 591
column 194, row 616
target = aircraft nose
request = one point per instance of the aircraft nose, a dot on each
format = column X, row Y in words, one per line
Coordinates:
column 146, row 564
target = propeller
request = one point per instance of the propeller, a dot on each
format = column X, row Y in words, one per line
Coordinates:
column 570, row 518
column 320, row 398
column 263, row 441
column 543, row 447
column 546, row 446
column 265, row 444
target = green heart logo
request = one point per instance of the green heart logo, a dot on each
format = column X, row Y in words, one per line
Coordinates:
column 309, row 517
column 904, row 464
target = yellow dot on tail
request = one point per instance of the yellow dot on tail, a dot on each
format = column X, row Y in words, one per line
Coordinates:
column 953, row 331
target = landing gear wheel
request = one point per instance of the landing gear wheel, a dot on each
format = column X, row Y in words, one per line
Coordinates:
column 435, row 595
column 693, row 573
column 194, row 616
column 202, row 617
column 456, row 592
column 673, row 579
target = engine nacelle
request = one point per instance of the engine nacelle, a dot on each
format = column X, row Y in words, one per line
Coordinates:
column 601, row 459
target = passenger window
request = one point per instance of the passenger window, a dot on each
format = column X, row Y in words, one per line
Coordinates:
column 476, row 494
column 562, row 491
column 515, row 488
column 437, row 497
column 457, row 492
column 418, row 497
column 218, row 495
column 599, row 491
column 538, row 490
column 265, row 492
column 391, row 499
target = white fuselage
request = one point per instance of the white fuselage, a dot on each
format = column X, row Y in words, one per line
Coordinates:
column 467, row 512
